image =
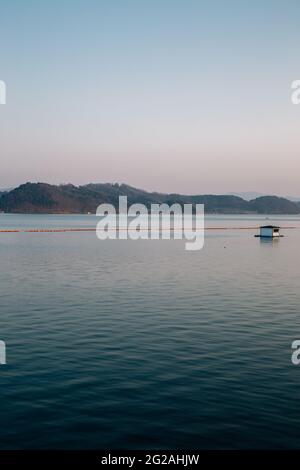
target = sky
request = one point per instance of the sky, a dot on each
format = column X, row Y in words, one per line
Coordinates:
column 187, row 96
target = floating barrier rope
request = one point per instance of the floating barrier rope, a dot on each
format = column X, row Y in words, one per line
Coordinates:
column 65, row 230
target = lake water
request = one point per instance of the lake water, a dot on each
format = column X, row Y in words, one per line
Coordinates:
column 141, row 344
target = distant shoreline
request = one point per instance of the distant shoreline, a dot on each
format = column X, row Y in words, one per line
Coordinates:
column 229, row 214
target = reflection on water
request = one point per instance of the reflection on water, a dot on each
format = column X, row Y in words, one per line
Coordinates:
column 272, row 242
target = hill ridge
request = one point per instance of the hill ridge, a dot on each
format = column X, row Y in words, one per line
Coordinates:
column 42, row 198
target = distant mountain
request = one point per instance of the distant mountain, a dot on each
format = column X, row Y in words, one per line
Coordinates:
column 293, row 198
column 41, row 198
column 248, row 196
column 5, row 190
column 274, row 205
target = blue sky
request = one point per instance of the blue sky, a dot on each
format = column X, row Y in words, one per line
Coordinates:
column 186, row 96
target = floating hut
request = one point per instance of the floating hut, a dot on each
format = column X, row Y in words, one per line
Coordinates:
column 269, row 231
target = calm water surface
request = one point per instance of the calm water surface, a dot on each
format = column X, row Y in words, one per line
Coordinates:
column 141, row 344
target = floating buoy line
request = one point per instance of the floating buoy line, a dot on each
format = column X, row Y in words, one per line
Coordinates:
column 66, row 230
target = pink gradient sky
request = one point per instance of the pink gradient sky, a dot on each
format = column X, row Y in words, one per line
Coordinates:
column 191, row 99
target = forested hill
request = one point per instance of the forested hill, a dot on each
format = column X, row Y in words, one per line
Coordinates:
column 42, row 198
